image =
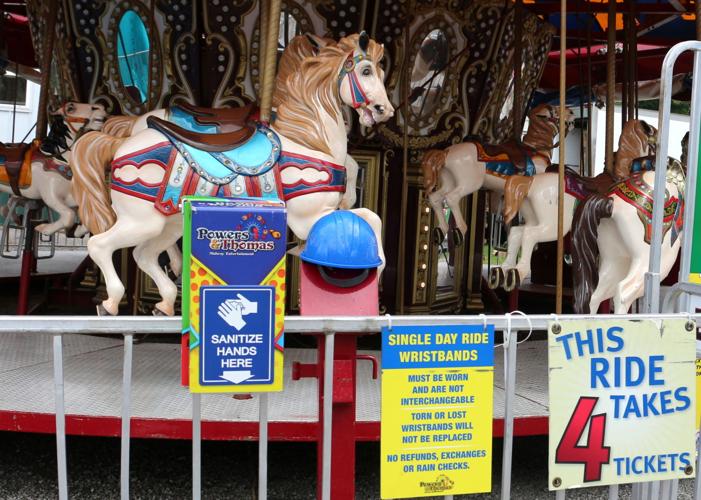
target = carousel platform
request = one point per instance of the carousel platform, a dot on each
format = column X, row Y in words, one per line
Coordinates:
column 64, row 261
column 161, row 407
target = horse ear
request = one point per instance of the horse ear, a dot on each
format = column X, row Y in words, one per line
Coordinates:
column 314, row 41
column 364, row 41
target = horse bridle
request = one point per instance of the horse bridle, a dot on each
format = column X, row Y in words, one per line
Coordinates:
column 71, row 119
column 358, row 95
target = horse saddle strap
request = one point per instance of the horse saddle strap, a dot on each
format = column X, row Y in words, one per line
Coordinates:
column 517, row 153
column 222, row 117
column 213, row 143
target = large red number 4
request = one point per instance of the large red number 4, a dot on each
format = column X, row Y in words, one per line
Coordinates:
column 594, row 454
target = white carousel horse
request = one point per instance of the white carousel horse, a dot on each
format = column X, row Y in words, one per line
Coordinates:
column 305, row 149
column 614, row 230
column 539, row 208
column 462, row 169
column 296, row 50
column 41, row 170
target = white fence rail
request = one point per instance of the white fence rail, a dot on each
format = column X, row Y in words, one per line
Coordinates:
column 509, row 324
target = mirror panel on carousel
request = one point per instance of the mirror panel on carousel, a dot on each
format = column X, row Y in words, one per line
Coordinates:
column 133, row 50
column 428, row 74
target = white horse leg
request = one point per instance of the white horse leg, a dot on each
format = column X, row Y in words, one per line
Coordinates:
column 176, row 259
column 126, row 232
column 612, row 270
column 55, row 202
column 146, row 256
column 453, row 199
column 376, row 224
column 631, row 284
column 349, row 196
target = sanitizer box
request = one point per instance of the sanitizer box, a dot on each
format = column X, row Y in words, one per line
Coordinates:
column 233, row 294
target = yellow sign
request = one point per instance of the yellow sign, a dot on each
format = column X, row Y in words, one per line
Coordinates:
column 622, row 396
column 698, row 390
column 437, row 399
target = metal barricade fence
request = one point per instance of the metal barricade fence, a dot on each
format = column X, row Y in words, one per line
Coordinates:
column 509, row 324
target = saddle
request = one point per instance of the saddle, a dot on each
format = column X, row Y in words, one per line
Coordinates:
column 516, row 152
column 15, row 165
column 223, row 118
column 230, row 122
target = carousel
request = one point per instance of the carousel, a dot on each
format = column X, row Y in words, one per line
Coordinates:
column 499, row 158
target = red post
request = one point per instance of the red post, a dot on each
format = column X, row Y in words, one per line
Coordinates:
column 28, row 266
column 319, row 298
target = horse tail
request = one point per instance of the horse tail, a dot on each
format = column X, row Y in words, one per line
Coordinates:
column 515, row 191
column 431, row 165
column 585, row 249
column 119, row 126
column 92, row 154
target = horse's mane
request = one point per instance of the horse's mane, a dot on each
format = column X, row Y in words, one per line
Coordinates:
column 630, row 147
column 56, row 142
column 295, row 52
column 313, row 90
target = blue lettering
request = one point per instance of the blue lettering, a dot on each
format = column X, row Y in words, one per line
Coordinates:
column 634, row 468
column 680, row 395
column 684, row 459
column 666, row 402
column 632, row 361
column 655, row 370
column 649, row 404
column 599, row 367
column 581, row 342
column 619, row 462
column 618, row 340
column 631, row 407
column 617, row 398
column 565, row 339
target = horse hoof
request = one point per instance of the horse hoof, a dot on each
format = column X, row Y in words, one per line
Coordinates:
column 513, row 280
column 438, row 235
column 157, row 312
column 102, row 311
column 457, row 236
column 496, row 277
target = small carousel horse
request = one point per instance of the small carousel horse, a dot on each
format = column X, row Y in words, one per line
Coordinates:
column 462, row 169
column 614, row 230
column 299, row 159
column 41, row 170
column 539, row 208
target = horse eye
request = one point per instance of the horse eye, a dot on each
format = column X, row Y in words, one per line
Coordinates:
column 367, row 72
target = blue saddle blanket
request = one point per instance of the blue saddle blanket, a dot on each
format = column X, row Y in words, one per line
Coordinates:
column 255, row 157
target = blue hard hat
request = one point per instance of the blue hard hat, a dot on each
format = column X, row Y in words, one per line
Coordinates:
column 343, row 240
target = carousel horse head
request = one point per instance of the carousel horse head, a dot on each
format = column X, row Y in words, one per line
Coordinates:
column 638, row 139
column 347, row 72
column 81, row 117
column 544, row 125
column 361, row 79
column 68, row 122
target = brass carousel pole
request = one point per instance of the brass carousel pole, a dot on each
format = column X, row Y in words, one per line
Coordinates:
column 270, row 59
column 46, row 57
column 610, row 84
column 561, row 169
column 401, row 271
column 518, row 56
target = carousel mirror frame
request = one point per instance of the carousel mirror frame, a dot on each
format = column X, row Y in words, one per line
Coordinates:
column 423, row 125
column 155, row 79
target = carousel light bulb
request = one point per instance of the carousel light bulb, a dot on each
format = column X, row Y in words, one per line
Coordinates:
column 423, row 284
column 423, row 266
column 428, row 210
column 425, row 247
column 426, row 228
